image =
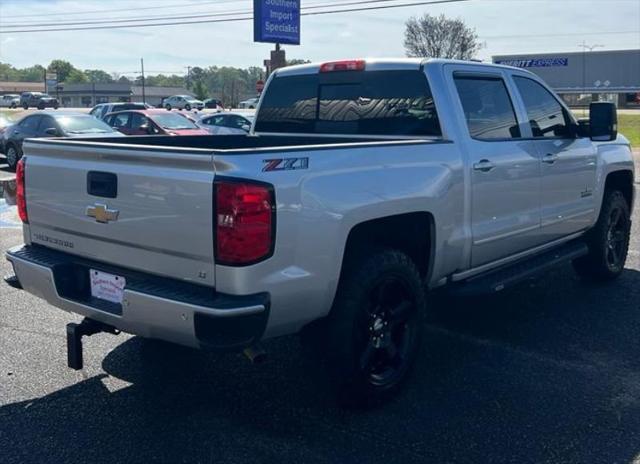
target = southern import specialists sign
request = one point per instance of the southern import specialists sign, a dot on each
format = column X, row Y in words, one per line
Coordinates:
column 276, row 21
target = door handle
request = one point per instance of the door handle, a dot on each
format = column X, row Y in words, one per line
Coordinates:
column 483, row 165
column 549, row 158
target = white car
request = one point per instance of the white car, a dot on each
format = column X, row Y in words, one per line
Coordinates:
column 10, row 101
column 251, row 103
column 225, row 123
column 182, row 102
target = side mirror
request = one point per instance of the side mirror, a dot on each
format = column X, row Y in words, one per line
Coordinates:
column 603, row 121
column 246, row 127
column 52, row 131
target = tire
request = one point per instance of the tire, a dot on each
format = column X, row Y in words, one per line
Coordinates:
column 167, row 107
column 55, row 107
column 41, row 106
column 608, row 241
column 187, row 107
column 25, row 106
column 373, row 331
column 13, row 106
column 13, row 156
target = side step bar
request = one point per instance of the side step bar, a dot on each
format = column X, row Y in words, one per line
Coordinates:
column 507, row 276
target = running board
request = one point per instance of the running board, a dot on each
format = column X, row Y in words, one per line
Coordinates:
column 498, row 279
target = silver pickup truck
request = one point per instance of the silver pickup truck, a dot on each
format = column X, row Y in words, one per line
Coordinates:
column 363, row 185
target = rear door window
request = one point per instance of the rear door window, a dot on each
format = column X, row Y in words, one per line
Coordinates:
column 487, row 107
column 384, row 103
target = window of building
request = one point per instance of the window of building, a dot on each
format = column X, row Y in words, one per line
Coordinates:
column 487, row 107
column 86, row 101
column 546, row 115
column 102, row 100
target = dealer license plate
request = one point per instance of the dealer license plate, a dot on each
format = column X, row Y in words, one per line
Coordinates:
column 106, row 286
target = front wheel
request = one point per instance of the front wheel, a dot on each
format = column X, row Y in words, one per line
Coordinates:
column 167, row 107
column 187, row 107
column 25, row 106
column 608, row 241
column 374, row 329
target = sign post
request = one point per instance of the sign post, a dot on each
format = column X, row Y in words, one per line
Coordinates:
column 276, row 21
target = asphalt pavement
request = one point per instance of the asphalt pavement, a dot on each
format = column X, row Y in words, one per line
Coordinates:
column 547, row 372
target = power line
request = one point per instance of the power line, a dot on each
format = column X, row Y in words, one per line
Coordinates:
column 249, row 18
column 191, row 16
column 175, row 5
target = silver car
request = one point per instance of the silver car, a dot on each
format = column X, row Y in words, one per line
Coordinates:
column 182, row 102
column 225, row 123
column 10, row 101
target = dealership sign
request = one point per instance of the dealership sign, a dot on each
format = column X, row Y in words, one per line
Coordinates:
column 276, row 21
column 536, row 62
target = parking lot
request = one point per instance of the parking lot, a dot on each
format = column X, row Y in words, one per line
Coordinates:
column 546, row 372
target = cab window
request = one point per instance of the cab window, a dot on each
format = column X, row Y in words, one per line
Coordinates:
column 546, row 115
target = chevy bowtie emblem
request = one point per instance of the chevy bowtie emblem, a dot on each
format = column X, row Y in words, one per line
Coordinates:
column 102, row 213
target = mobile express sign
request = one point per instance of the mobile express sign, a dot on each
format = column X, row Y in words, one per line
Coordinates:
column 276, row 21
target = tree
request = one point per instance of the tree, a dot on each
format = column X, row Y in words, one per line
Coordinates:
column 440, row 37
column 200, row 90
column 98, row 76
column 62, row 67
column 76, row 77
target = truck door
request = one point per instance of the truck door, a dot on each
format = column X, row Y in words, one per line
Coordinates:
column 504, row 170
column 568, row 163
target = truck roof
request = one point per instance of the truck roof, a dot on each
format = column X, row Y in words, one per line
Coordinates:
column 382, row 64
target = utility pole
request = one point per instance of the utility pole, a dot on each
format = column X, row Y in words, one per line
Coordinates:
column 144, row 97
column 586, row 47
column 188, row 76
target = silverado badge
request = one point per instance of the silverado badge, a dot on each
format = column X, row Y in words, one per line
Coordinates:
column 101, row 213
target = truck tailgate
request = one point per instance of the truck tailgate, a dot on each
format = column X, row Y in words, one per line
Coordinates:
column 158, row 217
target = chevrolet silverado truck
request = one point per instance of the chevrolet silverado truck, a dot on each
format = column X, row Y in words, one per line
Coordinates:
column 362, row 185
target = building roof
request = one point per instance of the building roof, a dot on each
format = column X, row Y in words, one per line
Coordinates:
column 18, row 87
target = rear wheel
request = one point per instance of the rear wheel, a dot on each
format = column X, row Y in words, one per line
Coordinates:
column 167, row 107
column 13, row 156
column 608, row 241
column 41, row 106
column 25, row 106
column 187, row 107
column 374, row 328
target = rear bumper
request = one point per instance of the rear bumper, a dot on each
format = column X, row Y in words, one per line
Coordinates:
column 152, row 306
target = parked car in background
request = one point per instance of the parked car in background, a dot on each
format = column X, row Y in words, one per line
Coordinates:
column 153, row 122
column 51, row 124
column 251, row 103
column 10, row 101
column 38, row 100
column 213, row 103
column 103, row 109
column 225, row 123
column 5, row 123
column 183, row 102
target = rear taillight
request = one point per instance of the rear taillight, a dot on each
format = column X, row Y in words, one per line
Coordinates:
column 346, row 65
column 21, row 198
column 245, row 222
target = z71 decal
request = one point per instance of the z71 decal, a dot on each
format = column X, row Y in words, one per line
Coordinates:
column 285, row 164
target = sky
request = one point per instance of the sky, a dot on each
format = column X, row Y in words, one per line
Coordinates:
column 504, row 26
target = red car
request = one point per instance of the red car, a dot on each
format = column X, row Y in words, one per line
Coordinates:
column 152, row 122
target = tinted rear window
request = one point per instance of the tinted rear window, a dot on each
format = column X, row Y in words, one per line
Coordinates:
column 362, row 103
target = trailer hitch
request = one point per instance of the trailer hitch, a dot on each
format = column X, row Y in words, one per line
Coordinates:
column 75, row 332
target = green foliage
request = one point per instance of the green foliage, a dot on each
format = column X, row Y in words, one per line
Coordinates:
column 98, row 76
column 228, row 84
column 200, row 90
